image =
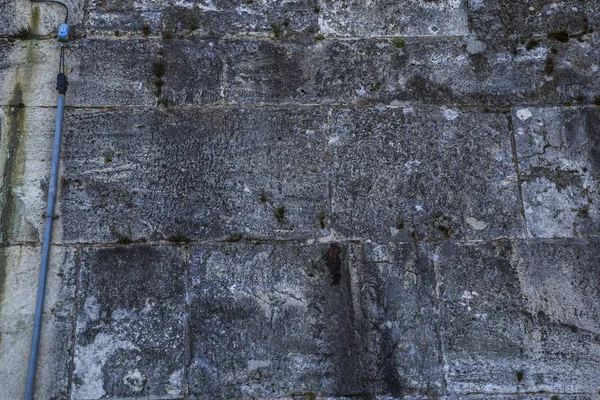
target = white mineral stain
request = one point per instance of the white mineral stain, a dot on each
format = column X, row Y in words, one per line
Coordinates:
column 90, row 360
column 173, row 388
column 524, row 114
column 451, row 114
column 256, row 364
column 135, row 380
column 476, row 224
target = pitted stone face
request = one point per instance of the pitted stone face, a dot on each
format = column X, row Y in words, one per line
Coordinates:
column 305, row 199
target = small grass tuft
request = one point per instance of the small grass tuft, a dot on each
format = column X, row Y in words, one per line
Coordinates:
column 277, row 29
column 399, row 43
column 123, row 238
column 179, row 237
column 519, row 375
column 23, row 33
column 319, row 36
column 279, row 213
column 262, row 197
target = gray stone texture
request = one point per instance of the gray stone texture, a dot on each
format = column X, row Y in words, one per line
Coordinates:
column 130, row 323
column 304, row 199
column 559, row 162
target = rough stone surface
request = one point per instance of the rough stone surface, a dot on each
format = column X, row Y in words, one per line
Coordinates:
column 304, row 199
column 130, row 323
column 559, row 164
column 19, row 271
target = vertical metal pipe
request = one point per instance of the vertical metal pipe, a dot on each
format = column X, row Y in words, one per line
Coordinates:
column 39, row 306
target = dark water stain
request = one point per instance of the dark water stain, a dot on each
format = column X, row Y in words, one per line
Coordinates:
column 12, row 170
column 34, row 22
column 11, row 143
column 333, row 261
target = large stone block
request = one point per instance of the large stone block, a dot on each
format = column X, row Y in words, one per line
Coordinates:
column 501, row 21
column 130, row 323
column 519, row 317
column 114, row 72
column 26, row 138
column 200, row 18
column 332, row 319
column 189, row 174
column 560, row 286
column 423, row 173
column 268, row 321
column 19, row 274
column 392, row 18
column 559, row 152
column 481, row 315
column 401, row 306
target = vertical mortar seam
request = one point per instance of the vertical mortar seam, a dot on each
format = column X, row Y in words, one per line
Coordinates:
column 78, row 255
column 438, row 326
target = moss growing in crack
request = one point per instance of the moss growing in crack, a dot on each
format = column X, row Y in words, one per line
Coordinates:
column 236, row 237
column 179, row 237
column 123, row 237
column 560, row 35
column 399, row 43
column 555, row 397
column 23, row 33
column 146, row 29
column 319, row 37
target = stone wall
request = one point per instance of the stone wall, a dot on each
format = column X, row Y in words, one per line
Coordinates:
column 305, row 198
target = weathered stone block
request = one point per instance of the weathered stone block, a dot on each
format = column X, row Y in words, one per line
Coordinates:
column 19, row 274
column 26, row 138
column 502, row 20
column 391, row 18
column 205, row 18
column 130, row 323
column 113, row 72
column 422, row 173
column 401, row 307
column 271, row 320
column 481, row 314
column 559, row 152
column 190, row 174
column 560, row 282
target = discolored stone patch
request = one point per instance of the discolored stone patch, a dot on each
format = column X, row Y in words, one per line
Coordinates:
column 560, row 283
column 558, row 151
column 405, row 174
column 271, row 320
column 130, row 323
column 188, row 174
